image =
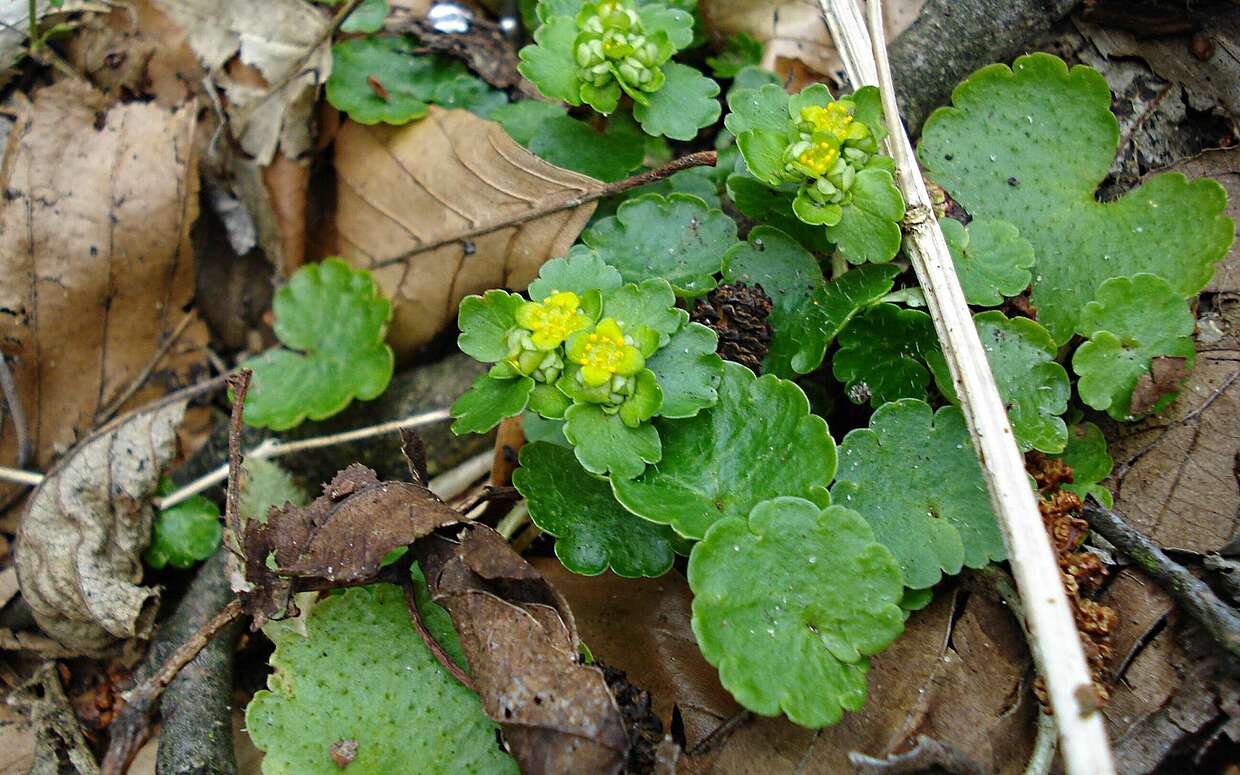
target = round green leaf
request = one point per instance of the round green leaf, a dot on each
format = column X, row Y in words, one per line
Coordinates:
column 764, row 108
column 695, row 181
column 862, row 236
column 604, row 444
column 593, row 532
column 688, row 371
column 382, row 78
column 1029, row 145
column 541, row 429
column 361, row 673
column 807, row 313
column 581, row 271
column 1034, row 387
column 549, row 63
column 677, row 238
column 758, row 442
column 914, row 476
column 651, row 303
column 1131, row 321
column 683, row 104
column 574, row 145
column 1086, row 454
column 184, row 534
column 773, row 207
column 332, row 320
column 992, row 260
column 789, row 603
column 673, row 22
column 522, row 119
column 881, row 354
column 367, row 17
column 484, row 322
column 488, row 402
column 875, row 192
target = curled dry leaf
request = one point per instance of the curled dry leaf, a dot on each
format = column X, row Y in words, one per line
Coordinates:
column 341, row 538
column 80, row 544
column 96, row 260
column 449, row 206
column 521, row 641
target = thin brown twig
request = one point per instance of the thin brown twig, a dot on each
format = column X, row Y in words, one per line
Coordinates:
column 21, row 431
column 1219, row 619
column 240, row 383
column 141, row 700
column 721, row 733
column 698, row 159
column 115, row 404
column 411, row 602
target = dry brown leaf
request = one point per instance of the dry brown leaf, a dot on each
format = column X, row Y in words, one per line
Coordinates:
column 449, row 206
column 521, row 641
column 96, row 256
column 16, row 742
column 59, row 745
column 794, row 29
column 961, row 679
column 642, row 627
column 80, row 543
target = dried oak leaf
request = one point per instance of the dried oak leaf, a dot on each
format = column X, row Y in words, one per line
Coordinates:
column 341, row 538
column 80, row 544
column 522, row 645
column 449, row 206
column 96, row 260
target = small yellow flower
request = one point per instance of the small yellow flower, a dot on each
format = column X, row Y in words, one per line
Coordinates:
column 603, row 353
column 552, row 320
column 833, row 119
column 819, row 156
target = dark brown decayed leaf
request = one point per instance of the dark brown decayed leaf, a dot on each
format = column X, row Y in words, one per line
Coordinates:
column 521, row 641
column 79, row 548
column 341, row 538
column 459, row 207
column 96, row 260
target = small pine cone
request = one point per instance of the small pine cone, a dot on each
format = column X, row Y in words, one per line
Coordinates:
column 737, row 313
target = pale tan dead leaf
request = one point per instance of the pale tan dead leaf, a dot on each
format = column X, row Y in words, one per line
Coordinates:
column 79, row 547
column 794, row 29
column 96, row 260
column 282, row 39
column 59, row 745
column 449, row 206
column 16, row 742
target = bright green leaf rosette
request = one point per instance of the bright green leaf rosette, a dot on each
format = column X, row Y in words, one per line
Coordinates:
column 789, row 602
column 758, row 442
column 1131, row 321
column 593, row 532
column 593, row 351
column 332, row 321
column 184, row 534
column 1029, row 145
column 827, row 150
column 360, row 672
column 595, row 52
column 915, row 478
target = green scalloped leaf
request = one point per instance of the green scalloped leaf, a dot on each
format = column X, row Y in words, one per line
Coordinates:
column 1030, row 145
column 773, row 207
column 541, row 429
column 738, row 52
column 789, row 603
column 184, row 534
column 882, row 352
column 548, row 62
column 367, row 17
column 362, row 673
column 651, row 303
column 916, row 599
column 1131, row 321
column 763, row 108
column 682, row 105
column 469, row 93
column 1034, row 387
column 914, row 476
column 1086, row 454
column 522, row 119
column 581, row 271
column 406, row 80
column 593, row 532
column 489, row 402
column 677, row 238
column 484, row 322
column 688, row 371
column 605, row 445
column 574, row 145
column 676, row 23
column 807, row 312
column 758, row 442
column 332, row 321
column 869, row 229
column 992, row 260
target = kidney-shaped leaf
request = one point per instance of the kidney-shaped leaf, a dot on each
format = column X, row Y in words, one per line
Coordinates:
column 789, row 603
column 593, row 532
column 760, row 441
column 915, row 478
